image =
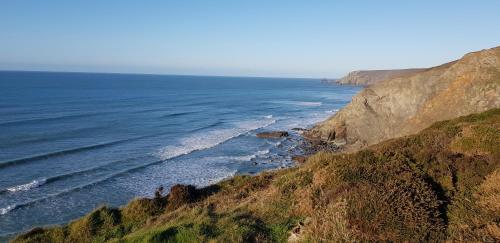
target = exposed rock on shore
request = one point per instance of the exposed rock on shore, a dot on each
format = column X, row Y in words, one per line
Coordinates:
column 275, row 134
column 406, row 105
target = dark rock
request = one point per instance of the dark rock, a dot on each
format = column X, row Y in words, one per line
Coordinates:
column 275, row 134
column 317, row 142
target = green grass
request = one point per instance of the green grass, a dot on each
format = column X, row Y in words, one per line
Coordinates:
column 441, row 184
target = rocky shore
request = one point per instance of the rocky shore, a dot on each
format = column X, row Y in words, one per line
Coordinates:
column 306, row 146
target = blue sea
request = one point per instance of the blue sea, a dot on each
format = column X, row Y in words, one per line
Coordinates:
column 70, row 142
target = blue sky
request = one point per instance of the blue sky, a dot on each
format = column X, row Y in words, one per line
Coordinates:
column 242, row 38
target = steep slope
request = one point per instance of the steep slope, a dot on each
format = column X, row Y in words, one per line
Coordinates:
column 406, row 105
column 439, row 185
column 369, row 77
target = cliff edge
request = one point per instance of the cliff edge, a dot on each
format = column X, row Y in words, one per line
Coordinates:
column 406, row 105
column 369, row 77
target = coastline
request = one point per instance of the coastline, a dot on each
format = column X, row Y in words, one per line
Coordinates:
column 291, row 204
column 404, row 185
column 299, row 154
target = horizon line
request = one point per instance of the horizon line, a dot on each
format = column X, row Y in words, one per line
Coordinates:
column 160, row 74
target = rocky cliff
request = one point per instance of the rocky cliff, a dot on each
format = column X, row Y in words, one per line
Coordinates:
column 369, row 77
column 405, row 105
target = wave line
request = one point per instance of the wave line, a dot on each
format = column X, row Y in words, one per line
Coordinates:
column 9, row 163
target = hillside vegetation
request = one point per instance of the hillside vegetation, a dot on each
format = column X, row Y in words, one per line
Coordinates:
column 441, row 184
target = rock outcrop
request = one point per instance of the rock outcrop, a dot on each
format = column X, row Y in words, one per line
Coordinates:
column 275, row 134
column 406, row 105
column 369, row 77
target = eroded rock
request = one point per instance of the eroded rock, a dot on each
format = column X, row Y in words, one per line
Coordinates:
column 274, row 134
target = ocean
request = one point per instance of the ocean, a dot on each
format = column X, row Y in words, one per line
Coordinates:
column 70, row 142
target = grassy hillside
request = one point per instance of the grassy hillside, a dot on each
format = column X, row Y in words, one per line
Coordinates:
column 441, row 184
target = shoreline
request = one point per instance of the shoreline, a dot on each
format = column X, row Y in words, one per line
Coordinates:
column 247, row 111
column 295, row 155
column 308, row 147
column 164, row 209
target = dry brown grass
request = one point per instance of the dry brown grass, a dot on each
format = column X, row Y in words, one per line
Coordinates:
column 331, row 222
column 489, row 192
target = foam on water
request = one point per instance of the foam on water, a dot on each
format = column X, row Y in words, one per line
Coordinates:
column 245, row 157
column 332, row 111
column 205, row 140
column 305, row 103
column 7, row 209
column 194, row 171
column 27, row 186
column 298, row 103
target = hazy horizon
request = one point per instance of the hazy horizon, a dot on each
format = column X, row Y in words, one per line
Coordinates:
column 163, row 74
column 259, row 39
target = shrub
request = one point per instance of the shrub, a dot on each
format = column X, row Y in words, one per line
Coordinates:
column 103, row 223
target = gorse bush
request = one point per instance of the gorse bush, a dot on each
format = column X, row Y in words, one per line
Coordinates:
column 441, row 184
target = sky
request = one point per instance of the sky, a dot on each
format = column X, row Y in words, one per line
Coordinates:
column 307, row 38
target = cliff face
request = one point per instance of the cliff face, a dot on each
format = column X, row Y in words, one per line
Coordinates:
column 365, row 78
column 405, row 105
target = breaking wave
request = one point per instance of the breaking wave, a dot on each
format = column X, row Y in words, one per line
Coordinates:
column 245, row 157
column 27, row 186
column 205, row 140
column 7, row 209
column 299, row 103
